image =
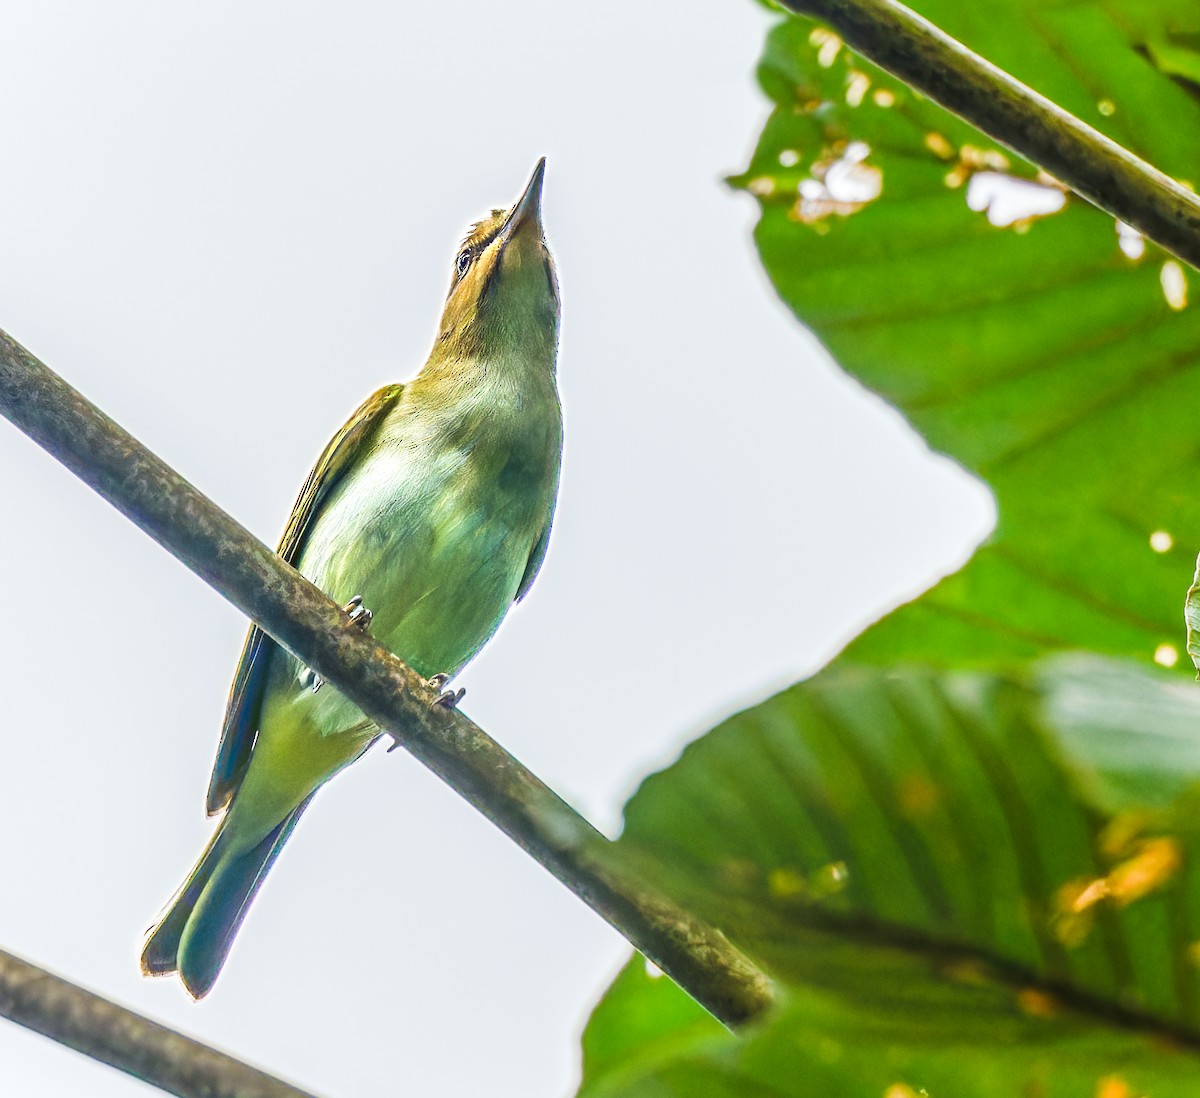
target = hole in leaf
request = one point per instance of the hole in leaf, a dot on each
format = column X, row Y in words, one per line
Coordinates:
column 1130, row 241
column 1174, row 285
column 1009, row 200
column 1166, row 655
column 842, row 185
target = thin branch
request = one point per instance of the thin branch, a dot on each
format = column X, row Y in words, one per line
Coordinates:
column 1092, row 165
column 226, row 556
column 104, row 1031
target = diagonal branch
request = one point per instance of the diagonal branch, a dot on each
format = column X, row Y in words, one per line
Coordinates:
column 227, row 557
column 146, row 1050
column 1092, row 165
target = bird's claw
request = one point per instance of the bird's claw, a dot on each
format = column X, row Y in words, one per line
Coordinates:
column 447, row 699
column 359, row 615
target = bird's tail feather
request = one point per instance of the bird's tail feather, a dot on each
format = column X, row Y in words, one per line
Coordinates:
column 195, row 934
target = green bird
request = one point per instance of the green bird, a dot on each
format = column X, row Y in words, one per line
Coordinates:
column 432, row 507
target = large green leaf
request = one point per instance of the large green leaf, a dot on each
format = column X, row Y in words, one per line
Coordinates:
column 976, row 884
column 1039, row 356
column 971, row 869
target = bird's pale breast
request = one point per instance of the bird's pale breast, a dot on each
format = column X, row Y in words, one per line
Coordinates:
column 434, row 529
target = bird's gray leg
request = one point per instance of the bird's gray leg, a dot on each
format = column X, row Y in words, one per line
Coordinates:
column 447, row 699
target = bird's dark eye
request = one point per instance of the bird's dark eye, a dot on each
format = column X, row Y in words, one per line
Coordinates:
column 463, row 261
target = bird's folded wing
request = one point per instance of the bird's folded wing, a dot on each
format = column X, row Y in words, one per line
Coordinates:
column 245, row 696
column 534, row 564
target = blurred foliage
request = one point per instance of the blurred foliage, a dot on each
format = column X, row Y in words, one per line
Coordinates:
column 967, row 850
column 977, row 884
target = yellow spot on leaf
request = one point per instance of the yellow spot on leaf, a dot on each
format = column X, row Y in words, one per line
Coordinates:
column 884, row 98
column 1147, row 871
column 762, row 186
column 786, row 882
column 1073, row 919
column 1113, row 1086
column 1106, row 107
column 939, row 146
column 1161, row 541
column 902, row 1090
column 980, row 160
column 1037, row 1003
column 1153, row 863
column 1091, row 893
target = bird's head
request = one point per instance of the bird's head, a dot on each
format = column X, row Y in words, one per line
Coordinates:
column 503, row 295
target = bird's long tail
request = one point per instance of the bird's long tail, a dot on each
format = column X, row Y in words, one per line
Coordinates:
column 195, row 934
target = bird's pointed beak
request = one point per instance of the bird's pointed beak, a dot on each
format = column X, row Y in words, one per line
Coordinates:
column 526, row 215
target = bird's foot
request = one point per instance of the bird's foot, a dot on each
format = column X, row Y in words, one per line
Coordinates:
column 447, row 699
column 359, row 615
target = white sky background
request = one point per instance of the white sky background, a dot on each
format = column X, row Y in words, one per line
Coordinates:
column 226, row 223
